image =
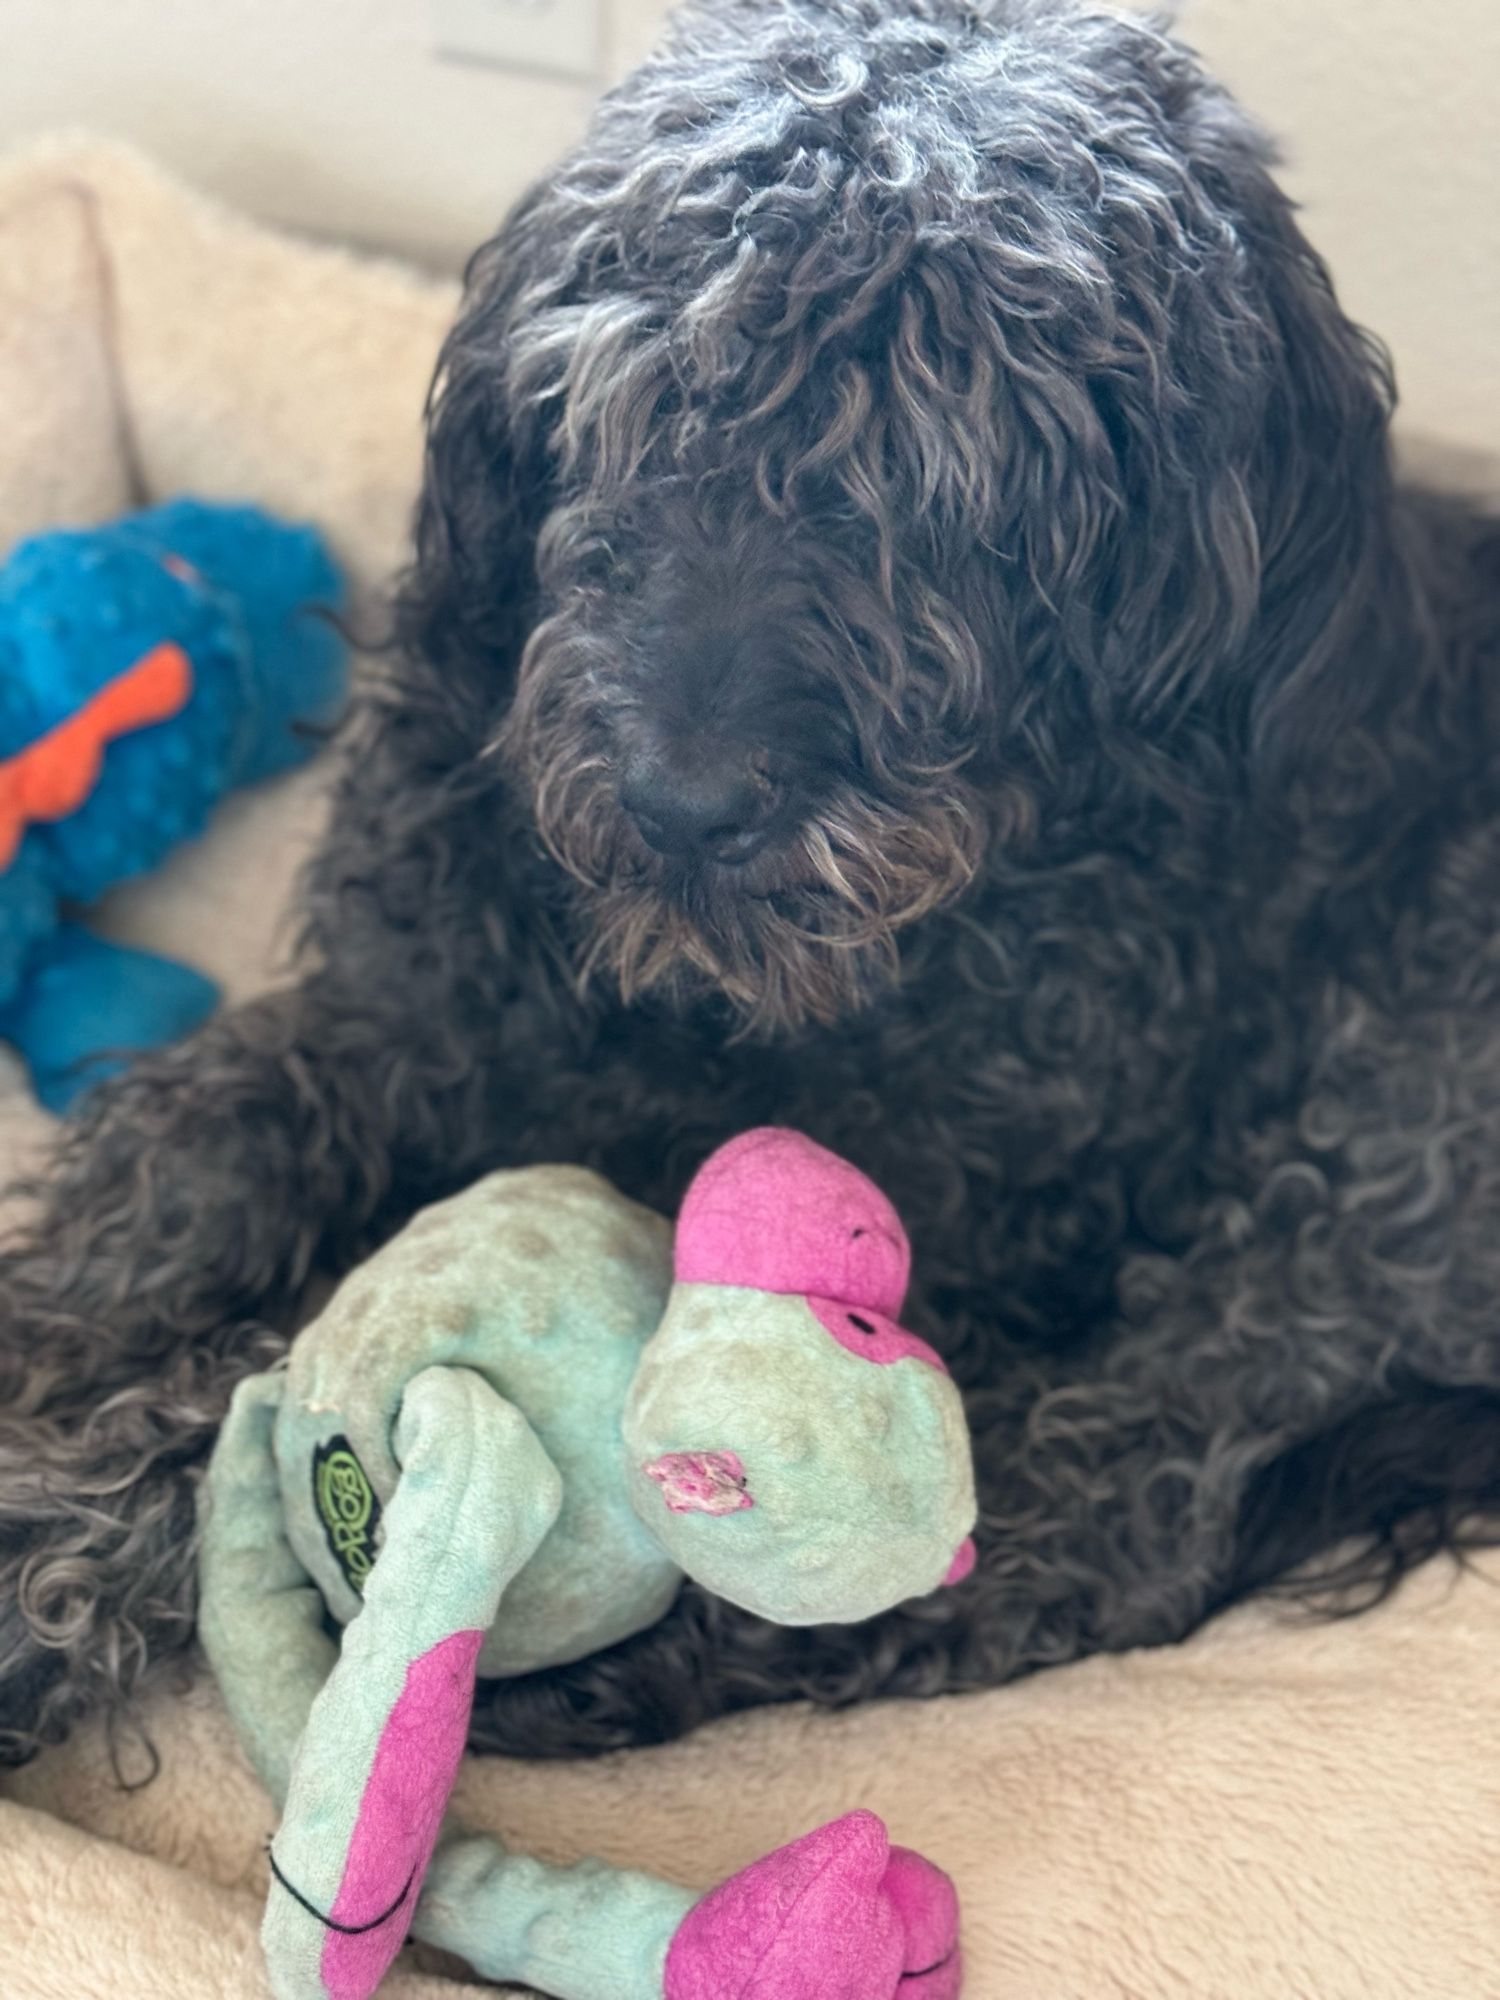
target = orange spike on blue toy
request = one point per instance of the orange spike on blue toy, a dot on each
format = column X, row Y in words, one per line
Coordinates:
column 146, row 668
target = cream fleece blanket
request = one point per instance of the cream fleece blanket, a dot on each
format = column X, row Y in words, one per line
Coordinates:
column 1275, row 1811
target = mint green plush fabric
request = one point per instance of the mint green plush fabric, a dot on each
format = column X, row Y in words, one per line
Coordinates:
column 859, row 1474
column 590, row 1932
column 476, row 1496
column 500, row 1446
column 548, row 1283
column 260, row 1616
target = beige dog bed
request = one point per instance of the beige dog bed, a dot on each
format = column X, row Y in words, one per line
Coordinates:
column 1275, row 1811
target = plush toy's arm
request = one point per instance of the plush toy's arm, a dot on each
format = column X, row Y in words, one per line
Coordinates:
column 377, row 1760
column 260, row 1617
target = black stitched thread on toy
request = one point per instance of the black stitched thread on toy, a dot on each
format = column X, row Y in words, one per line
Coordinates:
column 328, row 1923
column 346, row 1505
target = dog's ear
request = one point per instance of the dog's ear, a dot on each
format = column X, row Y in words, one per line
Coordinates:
column 466, row 603
column 1334, row 604
column 1256, row 547
column 1170, row 438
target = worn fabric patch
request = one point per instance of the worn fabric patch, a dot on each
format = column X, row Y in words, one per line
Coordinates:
column 701, row 1482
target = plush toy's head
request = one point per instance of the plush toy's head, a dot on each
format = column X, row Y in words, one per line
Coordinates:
column 793, row 1447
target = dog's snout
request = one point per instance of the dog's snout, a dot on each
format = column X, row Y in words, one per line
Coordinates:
column 702, row 802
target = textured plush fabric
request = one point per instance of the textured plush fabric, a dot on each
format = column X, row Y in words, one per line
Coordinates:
column 585, row 1932
column 154, row 344
column 444, row 1455
column 381, row 1737
column 859, row 1476
column 771, row 1209
column 835, row 1915
column 548, row 1283
column 146, row 667
column 1272, row 1810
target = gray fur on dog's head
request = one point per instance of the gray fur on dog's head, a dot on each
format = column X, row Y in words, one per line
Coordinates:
column 898, row 409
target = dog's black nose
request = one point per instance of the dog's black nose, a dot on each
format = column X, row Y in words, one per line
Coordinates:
column 701, row 802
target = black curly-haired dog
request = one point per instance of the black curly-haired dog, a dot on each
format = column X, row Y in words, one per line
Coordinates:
column 913, row 635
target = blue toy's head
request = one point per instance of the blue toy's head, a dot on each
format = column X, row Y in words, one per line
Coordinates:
column 217, row 597
column 792, row 1447
column 282, row 584
column 78, row 610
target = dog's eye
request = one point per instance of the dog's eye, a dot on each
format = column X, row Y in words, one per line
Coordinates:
column 861, row 1325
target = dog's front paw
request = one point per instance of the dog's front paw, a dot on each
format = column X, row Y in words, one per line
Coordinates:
column 837, row 1915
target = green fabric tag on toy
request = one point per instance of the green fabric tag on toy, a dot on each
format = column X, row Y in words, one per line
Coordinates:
column 348, row 1509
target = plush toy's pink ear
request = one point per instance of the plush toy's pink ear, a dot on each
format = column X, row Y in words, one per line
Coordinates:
column 775, row 1212
column 701, row 1482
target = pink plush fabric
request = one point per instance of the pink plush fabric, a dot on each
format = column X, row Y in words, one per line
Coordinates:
column 837, row 1915
column 775, row 1212
column 701, row 1482
column 963, row 1563
column 872, row 1336
column 402, row 1809
column 927, row 1904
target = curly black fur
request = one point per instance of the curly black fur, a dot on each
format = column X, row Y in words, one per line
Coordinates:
column 940, row 411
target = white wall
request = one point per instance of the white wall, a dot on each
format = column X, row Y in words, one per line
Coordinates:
column 1389, row 114
column 336, row 116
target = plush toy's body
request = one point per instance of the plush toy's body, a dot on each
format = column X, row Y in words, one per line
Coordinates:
column 502, row 1445
column 145, row 669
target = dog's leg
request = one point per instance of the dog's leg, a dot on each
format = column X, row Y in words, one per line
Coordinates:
column 189, row 1204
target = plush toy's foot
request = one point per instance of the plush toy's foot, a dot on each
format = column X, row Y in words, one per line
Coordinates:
column 837, row 1915
column 88, row 1003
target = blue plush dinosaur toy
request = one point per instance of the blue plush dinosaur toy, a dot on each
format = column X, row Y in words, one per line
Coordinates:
column 146, row 668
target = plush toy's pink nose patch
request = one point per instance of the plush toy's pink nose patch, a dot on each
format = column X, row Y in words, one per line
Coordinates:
column 701, row 1482
column 775, row 1212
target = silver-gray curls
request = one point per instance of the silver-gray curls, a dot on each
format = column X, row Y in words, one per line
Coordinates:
column 913, row 374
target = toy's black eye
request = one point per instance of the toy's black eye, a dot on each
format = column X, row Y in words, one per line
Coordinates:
column 858, row 1233
column 861, row 1325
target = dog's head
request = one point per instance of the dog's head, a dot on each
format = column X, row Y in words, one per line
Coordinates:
column 880, row 433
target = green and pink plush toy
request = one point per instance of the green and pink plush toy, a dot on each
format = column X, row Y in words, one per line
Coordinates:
column 502, row 1445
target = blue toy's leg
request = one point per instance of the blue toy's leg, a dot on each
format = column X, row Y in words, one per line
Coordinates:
column 87, row 1005
column 377, row 1760
column 585, row 1933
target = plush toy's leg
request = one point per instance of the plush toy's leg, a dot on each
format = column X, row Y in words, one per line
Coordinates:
column 86, row 1001
column 377, row 1761
column 260, row 1618
column 586, row 1933
column 837, row 1915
